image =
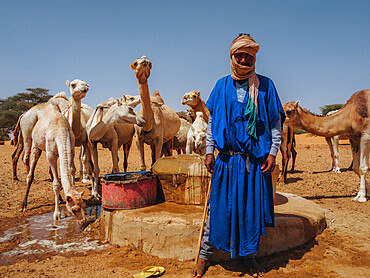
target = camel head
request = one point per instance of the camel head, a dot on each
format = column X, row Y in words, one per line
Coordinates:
column 122, row 113
column 291, row 112
column 142, row 69
column 78, row 88
column 191, row 98
column 76, row 206
column 191, row 114
column 130, row 100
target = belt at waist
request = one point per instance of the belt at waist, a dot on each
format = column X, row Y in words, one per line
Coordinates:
column 231, row 152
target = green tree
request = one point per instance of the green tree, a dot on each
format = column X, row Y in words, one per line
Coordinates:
column 14, row 106
column 330, row 107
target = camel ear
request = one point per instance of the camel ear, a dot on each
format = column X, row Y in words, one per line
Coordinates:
column 123, row 99
column 296, row 104
column 198, row 93
column 82, row 193
column 68, row 83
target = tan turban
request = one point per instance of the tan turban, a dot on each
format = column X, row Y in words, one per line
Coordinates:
column 247, row 45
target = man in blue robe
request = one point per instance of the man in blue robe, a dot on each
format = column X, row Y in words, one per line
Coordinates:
column 245, row 122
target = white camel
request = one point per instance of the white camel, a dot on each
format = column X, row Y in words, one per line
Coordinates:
column 112, row 125
column 26, row 123
column 52, row 134
column 196, row 139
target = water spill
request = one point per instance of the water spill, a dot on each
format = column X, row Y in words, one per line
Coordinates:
column 38, row 235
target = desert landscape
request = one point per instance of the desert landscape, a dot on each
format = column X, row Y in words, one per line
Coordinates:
column 341, row 250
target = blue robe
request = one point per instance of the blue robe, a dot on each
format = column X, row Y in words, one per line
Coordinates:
column 241, row 203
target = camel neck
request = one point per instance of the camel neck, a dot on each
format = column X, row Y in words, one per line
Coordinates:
column 75, row 116
column 146, row 108
column 324, row 126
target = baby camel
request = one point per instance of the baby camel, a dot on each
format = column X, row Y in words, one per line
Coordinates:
column 53, row 134
column 196, row 139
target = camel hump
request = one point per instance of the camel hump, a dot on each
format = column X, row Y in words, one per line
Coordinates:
column 61, row 95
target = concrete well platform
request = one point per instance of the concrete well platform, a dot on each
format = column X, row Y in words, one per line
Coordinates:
column 171, row 230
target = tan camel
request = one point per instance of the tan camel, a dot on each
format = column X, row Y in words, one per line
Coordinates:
column 162, row 122
column 287, row 149
column 71, row 109
column 333, row 143
column 193, row 99
column 352, row 119
column 112, row 125
column 178, row 142
column 52, row 134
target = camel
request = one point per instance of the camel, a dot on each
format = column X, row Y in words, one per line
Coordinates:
column 333, row 143
column 162, row 122
column 112, row 124
column 53, row 134
column 178, row 142
column 71, row 109
column 24, row 127
column 196, row 138
column 130, row 100
column 352, row 119
column 287, row 148
column 193, row 99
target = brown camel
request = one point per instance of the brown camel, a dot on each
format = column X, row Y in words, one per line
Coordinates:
column 193, row 99
column 162, row 122
column 287, row 149
column 352, row 119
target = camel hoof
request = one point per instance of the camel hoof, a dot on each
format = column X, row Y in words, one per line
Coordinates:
column 359, row 199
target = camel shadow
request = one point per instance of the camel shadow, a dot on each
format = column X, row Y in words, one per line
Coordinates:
column 292, row 180
column 295, row 171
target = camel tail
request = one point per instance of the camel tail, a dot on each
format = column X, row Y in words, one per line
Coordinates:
column 17, row 131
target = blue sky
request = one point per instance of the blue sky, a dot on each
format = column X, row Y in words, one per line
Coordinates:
column 317, row 52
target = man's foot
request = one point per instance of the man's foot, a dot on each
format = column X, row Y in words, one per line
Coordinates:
column 200, row 268
column 254, row 268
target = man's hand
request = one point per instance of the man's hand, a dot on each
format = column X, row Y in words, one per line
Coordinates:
column 269, row 164
column 210, row 162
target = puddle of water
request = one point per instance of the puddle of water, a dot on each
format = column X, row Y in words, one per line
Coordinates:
column 38, row 235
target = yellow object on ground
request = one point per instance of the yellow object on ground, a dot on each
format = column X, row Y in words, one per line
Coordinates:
column 150, row 271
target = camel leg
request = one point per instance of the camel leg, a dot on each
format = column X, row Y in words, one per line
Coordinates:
column 53, row 162
column 140, row 146
column 15, row 157
column 126, row 152
column 35, row 155
column 330, row 145
column 294, row 156
column 95, row 180
column 114, row 153
column 157, row 150
column 80, row 175
column 336, row 154
column 86, row 158
column 27, row 145
column 362, row 169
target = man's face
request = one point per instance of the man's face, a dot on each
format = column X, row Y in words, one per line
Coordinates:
column 244, row 59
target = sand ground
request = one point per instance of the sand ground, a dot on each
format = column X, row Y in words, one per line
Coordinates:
column 342, row 250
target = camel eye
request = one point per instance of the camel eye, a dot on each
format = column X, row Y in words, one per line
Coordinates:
column 73, row 86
